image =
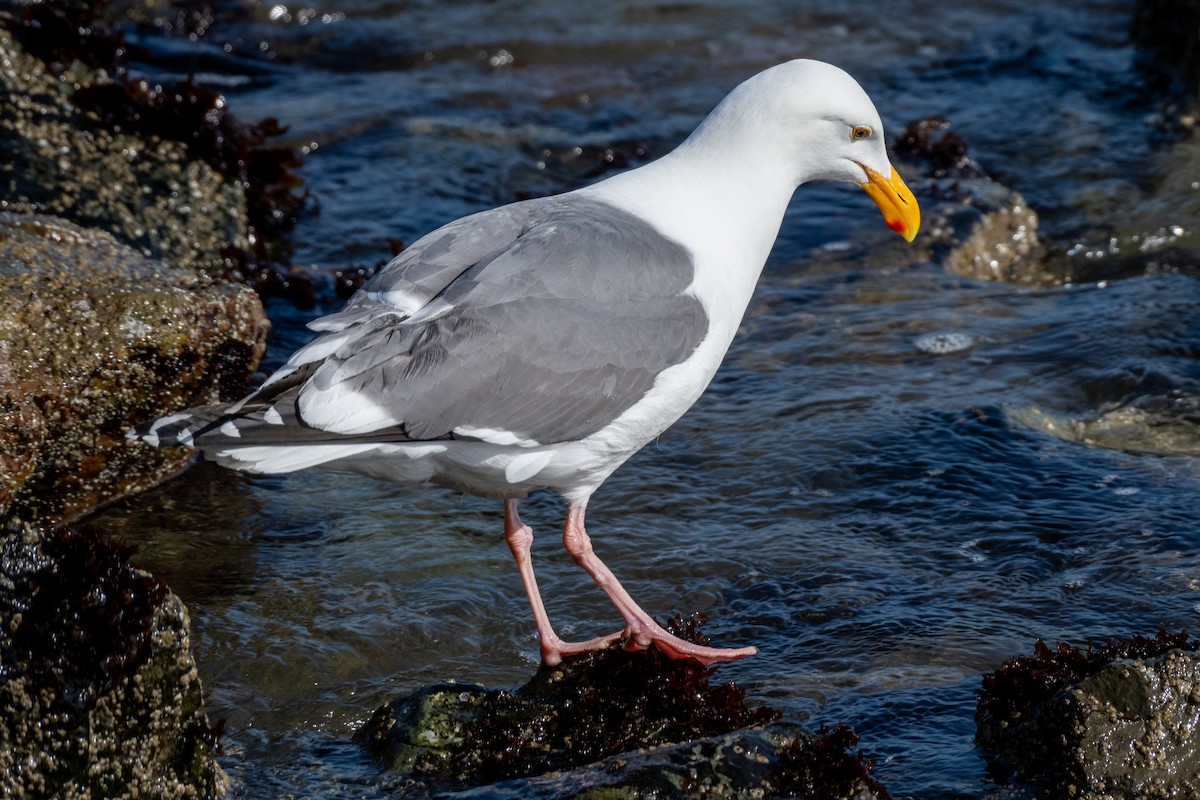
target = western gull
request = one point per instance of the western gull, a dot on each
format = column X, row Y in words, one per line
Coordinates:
column 540, row 344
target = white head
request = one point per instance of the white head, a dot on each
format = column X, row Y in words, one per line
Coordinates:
column 814, row 122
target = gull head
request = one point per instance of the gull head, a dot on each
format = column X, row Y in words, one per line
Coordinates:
column 808, row 120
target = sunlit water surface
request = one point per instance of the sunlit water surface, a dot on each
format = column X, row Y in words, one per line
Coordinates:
column 852, row 495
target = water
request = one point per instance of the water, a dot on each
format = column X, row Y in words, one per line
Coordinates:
column 853, row 495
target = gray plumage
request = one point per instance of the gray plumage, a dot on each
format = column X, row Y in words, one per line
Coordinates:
column 544, row 319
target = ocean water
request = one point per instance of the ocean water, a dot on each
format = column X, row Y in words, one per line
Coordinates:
column 859, row 493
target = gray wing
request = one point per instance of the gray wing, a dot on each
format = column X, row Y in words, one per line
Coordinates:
column 414, row 277
column 565, row 315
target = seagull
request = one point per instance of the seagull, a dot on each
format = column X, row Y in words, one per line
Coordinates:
column 540, row 344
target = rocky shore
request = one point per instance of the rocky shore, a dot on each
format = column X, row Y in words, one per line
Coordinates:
column 114, row 238
column 1118, row 720
column 110, row 317
column 112, row 241
column 99, row 694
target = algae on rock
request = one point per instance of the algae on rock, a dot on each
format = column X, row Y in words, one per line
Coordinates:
column 148, row 192
column 85, row 713
column 95, row 337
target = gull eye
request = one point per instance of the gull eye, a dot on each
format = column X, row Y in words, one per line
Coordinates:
column 860, row 132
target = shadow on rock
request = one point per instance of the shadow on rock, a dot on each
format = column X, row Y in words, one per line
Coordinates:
column 614, row 723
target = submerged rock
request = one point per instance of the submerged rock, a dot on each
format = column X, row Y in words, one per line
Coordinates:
column 1163, row 426
column 613, row 724
column 971, row 225
column 99, row 695
column 94, row 337
column 1121, row 721
column 1156, row 232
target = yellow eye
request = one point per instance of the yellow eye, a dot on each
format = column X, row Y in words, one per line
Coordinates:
column 860, row 132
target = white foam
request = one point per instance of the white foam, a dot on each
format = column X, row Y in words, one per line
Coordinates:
column 944, row 342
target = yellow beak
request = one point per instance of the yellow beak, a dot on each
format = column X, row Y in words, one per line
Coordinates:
column 899, row 207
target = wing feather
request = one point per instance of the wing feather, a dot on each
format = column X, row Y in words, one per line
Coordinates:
column 538, row 322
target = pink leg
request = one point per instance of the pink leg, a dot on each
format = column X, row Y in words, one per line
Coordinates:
column 641, row 630
column 520, row 537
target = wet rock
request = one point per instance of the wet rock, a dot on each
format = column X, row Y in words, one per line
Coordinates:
column 941, row 151
column 585, row 709
column 86, row 53
column 777, row 760
column 1163, row 426
column 197, row 116
column 1119, row 721
column 738, row 764
column 613, row 724
column 985, row 231
column 93, row 338
column 99, row 696
column 970, row 224
column 147, row 191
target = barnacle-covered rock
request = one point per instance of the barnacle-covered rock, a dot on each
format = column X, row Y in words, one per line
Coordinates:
column 93, row 338
column 99, row 696
column 614, row 724
column 972, row 225
column 1121, row 720
column 147, row 191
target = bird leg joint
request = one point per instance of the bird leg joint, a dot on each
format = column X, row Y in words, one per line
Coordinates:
column 518, row 535
column 577, row 542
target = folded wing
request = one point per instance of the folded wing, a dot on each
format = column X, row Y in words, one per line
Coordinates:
column 535, row 323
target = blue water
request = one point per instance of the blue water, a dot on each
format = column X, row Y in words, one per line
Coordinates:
column 866, row 507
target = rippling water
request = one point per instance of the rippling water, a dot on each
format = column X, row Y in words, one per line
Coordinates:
column 853, row 495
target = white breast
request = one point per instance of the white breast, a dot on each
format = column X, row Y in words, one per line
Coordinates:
column 729, row 235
